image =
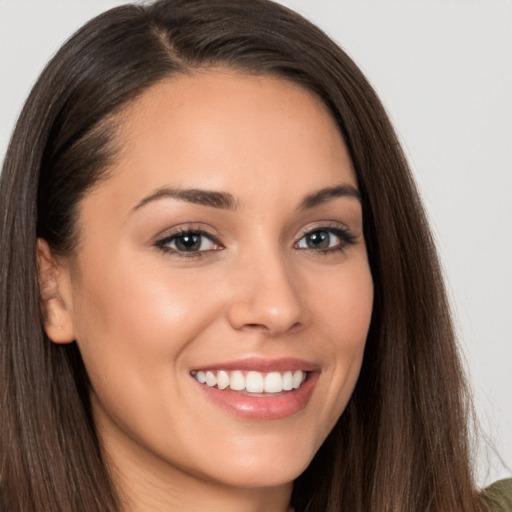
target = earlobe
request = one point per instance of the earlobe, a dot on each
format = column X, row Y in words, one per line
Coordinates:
column 55, row 296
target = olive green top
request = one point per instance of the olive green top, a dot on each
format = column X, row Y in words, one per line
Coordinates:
column 499, row 496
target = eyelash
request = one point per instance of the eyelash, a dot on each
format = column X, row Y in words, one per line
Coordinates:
column 163, row 244
column 345, row 236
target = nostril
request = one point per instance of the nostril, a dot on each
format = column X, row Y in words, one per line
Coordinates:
column 269, row 329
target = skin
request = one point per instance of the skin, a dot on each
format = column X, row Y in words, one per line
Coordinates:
column 143, row 317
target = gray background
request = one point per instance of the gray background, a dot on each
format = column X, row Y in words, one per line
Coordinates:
column 443, row 69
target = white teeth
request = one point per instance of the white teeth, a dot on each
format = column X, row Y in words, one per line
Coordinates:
column 252, row 381
column 288, row 381
column 273, row 383
column 211, row 379
column 297, row 379
column 222, row 379
column 237, row 381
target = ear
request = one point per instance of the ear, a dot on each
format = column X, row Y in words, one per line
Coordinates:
column 55, row 293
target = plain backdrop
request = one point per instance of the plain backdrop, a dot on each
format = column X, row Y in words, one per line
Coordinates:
column 443, row 69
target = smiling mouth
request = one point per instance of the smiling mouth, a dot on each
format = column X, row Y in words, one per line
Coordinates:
column 252, row 381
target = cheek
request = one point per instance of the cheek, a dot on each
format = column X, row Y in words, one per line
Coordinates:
column 135, row 324
column 344, row 313
column 134, row 330
column 344, row 307
column 131, row 304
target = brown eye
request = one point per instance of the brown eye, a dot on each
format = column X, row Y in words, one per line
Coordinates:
column 325, row 239
column 188, row 242
column 318, row 240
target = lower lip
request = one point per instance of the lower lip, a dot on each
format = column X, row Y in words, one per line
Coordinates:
column 269, row 407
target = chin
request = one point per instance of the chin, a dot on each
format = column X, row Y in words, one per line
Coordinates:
column 268, row 466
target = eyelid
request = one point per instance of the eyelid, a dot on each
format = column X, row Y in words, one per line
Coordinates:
column 188, row 227
column 327, row 225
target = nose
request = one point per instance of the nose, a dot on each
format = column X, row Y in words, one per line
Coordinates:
column 266, row 296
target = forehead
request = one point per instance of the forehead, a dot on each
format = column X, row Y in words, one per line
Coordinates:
column 229, row 131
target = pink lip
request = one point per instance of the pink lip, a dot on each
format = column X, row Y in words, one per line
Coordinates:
column 263, row 365
column 259, row 407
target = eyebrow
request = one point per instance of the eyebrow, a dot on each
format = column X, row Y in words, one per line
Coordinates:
column 225, row 201
column 213, row 199
column 326, row 194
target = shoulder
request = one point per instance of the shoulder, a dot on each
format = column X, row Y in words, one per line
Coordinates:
column 498, row 496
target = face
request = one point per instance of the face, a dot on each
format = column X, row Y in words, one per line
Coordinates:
column 220, row 294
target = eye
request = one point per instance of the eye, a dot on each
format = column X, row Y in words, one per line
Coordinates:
column 188, row 241
column 325, row 239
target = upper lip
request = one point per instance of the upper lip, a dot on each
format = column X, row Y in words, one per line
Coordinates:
column 262, row 365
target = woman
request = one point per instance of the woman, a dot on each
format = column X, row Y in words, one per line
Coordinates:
column 218, row 285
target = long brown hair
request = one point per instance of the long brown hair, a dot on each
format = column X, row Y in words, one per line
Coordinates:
column 402, row 442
